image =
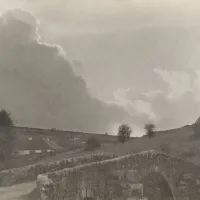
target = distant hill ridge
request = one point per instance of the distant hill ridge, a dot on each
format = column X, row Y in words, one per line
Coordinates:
column 197, row 121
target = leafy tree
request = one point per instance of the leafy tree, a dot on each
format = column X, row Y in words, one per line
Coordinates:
column 7, row 143
column 5, row 119
column 92, row 143
column 7, row 136
column 124, row 133
column 150, row 130
column 196, row 128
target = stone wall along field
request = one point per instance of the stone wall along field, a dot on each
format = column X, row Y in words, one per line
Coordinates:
column 30, row 172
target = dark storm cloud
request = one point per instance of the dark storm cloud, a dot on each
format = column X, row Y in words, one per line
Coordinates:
column 38, row 85
column 120, row 44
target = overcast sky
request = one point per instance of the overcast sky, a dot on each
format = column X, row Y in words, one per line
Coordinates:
column 133, row 61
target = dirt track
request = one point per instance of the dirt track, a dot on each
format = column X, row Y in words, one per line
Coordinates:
column 52, row 143
column 16, row 191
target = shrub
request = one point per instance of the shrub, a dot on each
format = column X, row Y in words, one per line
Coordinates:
column 149, row 130
column 32, row 152
column 165, row 148
column 44, row 152
column 92, row 143
column 124, row 132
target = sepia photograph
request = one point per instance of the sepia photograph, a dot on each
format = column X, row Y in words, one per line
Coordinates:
column 99, row 100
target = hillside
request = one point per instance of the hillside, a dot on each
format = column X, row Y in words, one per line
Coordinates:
column 38, row 139
column 64, row 143
column 179, row 142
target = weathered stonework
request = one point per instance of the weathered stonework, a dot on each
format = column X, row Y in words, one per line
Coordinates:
column 105, row 179
column 30, row 172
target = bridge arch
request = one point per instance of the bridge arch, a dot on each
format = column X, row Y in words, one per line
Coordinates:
column 156, row 187
column 164, row 169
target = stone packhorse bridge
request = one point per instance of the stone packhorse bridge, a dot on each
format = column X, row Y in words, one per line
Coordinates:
column 148, row 174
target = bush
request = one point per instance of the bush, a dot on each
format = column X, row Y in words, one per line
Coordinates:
column 92, row 143
column 165, row 148
column 149, row 130
column 32, row 152
column 44, row 152
column 124, row 133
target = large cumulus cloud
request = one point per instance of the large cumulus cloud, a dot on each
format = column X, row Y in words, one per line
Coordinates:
column 38, row 85
column 149, row 50
column 173, row 107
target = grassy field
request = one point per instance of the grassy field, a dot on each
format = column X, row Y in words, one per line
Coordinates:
column 64, row 139
column 179, row 142
column 65, row 143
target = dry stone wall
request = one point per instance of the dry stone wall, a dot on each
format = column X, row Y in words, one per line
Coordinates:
column 29, row 173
